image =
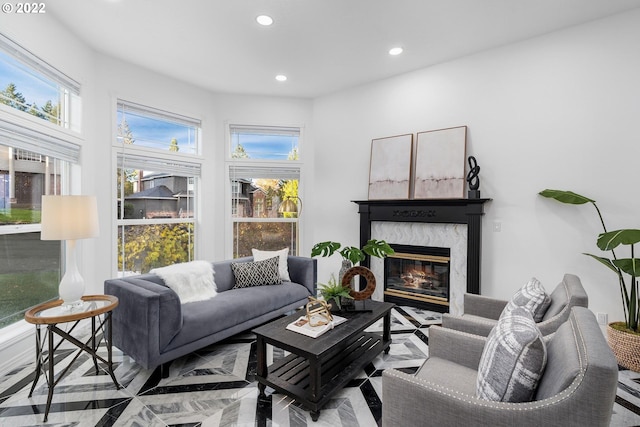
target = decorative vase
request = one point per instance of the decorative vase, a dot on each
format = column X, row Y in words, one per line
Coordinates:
column 346, row 265
column 625, row 346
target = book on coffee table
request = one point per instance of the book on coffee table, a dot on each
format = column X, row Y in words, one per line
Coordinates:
column 302, row 325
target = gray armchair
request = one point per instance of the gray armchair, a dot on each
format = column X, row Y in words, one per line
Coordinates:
column 481, row 313
column 577, row 388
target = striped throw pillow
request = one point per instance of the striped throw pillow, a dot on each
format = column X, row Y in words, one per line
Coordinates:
column 513, row 359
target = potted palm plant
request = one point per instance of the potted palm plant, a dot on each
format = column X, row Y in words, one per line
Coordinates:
column 623, row 337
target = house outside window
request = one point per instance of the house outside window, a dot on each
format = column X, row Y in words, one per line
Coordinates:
column 263, row 168
column 35, row 160
column 157, row 179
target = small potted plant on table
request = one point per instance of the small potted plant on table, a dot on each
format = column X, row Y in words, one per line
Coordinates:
column 334, row 293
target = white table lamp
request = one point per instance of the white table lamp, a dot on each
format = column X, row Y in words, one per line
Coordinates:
column 70, row 218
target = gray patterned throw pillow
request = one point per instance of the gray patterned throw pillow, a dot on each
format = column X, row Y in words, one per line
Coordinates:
column 513, row 359
column 531, row 296
column 256, row 273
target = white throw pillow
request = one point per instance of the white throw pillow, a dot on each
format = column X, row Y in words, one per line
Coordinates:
column 283, row 267
column 192, row 281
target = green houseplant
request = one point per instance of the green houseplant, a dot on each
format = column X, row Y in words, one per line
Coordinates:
column 626, row 269
column 334, row 291
column 352, row 255
column 376, row 248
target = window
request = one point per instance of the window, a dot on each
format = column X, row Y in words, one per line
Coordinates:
column 264, row 142
column 32, row 86
column 157, row 188
column 264, row 169
column 30, row 269
column 157, row 129
column 35, row 160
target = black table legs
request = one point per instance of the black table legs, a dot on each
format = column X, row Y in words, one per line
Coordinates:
column 90, row 347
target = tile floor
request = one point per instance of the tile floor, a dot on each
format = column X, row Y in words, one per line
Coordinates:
column 216, row 387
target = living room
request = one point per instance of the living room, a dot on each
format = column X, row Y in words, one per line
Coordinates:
column 553, row 110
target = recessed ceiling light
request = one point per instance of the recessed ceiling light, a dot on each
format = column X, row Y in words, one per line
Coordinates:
column 395, row 51
column 281, row 78
column 264, row 20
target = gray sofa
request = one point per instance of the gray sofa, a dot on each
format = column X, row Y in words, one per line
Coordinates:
column 153, row 327
column 577, row 388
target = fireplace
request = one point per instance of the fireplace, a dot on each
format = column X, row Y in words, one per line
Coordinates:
column 417, row 275
column 449, row 224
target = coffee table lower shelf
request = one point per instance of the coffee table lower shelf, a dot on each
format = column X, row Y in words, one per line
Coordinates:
column 294, row 374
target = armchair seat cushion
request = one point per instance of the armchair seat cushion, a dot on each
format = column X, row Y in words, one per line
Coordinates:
column 443, row 371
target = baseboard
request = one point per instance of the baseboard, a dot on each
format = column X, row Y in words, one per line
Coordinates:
column 17, row 345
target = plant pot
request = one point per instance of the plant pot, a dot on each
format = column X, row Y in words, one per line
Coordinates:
column 625, row 346
column 346, row 265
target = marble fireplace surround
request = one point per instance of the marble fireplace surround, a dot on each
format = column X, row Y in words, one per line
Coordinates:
column 452, row 236
column 444, row 223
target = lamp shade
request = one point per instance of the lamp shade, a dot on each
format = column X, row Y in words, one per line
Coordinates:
column 69, row 217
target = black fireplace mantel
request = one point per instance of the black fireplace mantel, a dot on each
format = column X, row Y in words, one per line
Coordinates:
column 448, row 211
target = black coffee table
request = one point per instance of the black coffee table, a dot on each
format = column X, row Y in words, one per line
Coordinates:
column 318, row 367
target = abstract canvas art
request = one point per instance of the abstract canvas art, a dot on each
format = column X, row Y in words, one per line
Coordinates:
column 390, row 168
column 439, row 170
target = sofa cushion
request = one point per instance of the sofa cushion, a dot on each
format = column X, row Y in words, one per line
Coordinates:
column 513, row 359
column 531, row 296
column 282, row 255
column 235, row 307
column 256, row 273
column 192, row 281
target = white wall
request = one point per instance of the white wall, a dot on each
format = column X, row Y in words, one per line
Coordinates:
column 552, row 112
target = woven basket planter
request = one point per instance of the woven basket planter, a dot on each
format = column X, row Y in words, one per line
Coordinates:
column 626, row 348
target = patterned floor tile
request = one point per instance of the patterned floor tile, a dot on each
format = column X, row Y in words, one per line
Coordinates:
column 215, row 386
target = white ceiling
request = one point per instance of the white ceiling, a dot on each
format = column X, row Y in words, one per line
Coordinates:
column 321, row 45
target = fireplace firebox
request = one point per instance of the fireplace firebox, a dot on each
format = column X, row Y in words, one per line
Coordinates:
column 418, row 274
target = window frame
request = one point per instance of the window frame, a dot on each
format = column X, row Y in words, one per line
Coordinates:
column 158, row 160
column 260, row 164
column 69, row 90
column 62, row 141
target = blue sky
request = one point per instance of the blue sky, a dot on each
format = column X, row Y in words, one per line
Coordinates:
column 148, row 132
column 33, row 89
column 272, row 147
column 155, row 133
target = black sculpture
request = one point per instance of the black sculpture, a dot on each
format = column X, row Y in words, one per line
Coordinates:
column 472, row 178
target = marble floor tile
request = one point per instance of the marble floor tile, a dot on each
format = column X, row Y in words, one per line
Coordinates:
column 215, row 386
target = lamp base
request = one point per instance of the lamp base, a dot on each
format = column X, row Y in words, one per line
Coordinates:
column 71, row 286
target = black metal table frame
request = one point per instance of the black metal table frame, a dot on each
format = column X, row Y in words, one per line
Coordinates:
column 90, row 347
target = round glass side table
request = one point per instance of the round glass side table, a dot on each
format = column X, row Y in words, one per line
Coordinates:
column 98, row 308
